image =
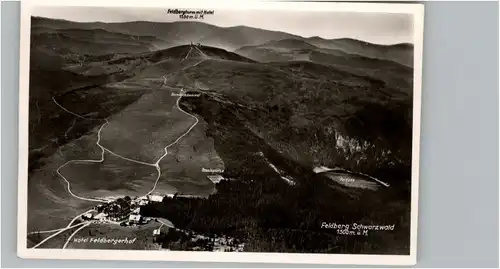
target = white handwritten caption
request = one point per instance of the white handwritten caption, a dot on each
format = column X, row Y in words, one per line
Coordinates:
column 187, row 14
column 355, row 228
column 104, row 240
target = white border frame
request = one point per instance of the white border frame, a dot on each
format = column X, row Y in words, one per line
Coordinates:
column 417, row 10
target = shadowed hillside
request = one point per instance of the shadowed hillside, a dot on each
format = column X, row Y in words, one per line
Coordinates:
column 391, row 73
column 93, row 42
column 178, row 32
column 233, row 38
column 273, row 112
column 297, row 116
column 400, row 53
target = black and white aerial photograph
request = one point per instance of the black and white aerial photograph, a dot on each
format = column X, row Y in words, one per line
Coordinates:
column 224, row 129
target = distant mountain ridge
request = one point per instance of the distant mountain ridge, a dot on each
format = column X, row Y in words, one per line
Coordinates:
column 401, row 53
column 289, row 43
column 92, row 41
column 269, row 120
column 233, row 38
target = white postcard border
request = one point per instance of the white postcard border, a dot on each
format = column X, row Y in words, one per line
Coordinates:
column 417, row 10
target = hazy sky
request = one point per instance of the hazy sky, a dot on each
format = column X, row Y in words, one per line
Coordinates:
column 381, row 28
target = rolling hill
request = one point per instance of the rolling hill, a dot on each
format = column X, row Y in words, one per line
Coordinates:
column 271, row 122
column 399, row 53
column 97, row 73
column 278, row 101
column 178, row 33
column 391, row 73
column 95, row 42
column 271, row 125
column 234, row 38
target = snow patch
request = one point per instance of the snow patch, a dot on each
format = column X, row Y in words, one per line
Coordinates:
column 321, row 169
column 288, row 180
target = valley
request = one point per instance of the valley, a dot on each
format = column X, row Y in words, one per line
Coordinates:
column 229, row 135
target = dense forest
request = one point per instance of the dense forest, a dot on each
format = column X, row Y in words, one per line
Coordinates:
column 258, row 207
column 272, row 217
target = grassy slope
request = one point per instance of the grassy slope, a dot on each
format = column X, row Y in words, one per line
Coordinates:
column 178, row 32
column 286, row 112
column 233, row 38
column 320, row 103
column 392, row 73
column 143, row 235
column 77, row 42
column 400, row 53
column 295, row 118
column 52, row 124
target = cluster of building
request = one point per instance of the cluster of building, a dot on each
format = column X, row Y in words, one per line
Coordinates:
column 123, row 211
column 215, row 178
column 224, row 244
column 218, row 243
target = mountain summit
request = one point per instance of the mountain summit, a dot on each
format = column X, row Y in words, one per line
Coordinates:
column 236, row 37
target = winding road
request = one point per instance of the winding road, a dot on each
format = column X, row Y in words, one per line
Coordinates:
column 91, row 161
column 104, row 149
column 59, row 232
column 75, row 232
